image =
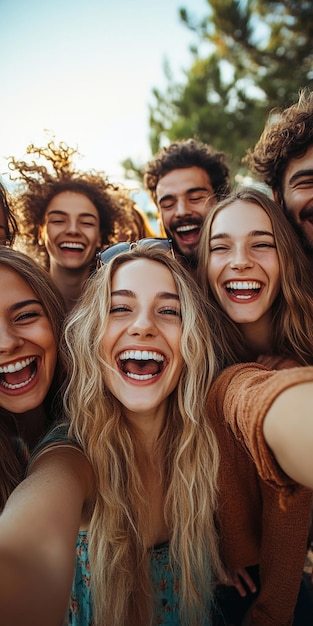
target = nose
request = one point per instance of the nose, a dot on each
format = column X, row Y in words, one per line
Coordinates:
column 72, row 226
column 9, row 341
column 143, row 326
column 182, row 207
column 240, row 259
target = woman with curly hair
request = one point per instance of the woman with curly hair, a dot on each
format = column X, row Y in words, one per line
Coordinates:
column 66, row 215
column 136, row 474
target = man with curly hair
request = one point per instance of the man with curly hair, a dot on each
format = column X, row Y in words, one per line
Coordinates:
column 185, row 179
column 283, row 159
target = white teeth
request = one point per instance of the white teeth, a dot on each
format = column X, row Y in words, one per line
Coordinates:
column 19, row 385
column 141, row 355
column 140, row 377
column 187, row 228
column 243, row 285
column 16, row 367
column 71, row 244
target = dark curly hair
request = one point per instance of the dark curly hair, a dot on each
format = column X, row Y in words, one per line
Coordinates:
column 9, row 219
column 188, row 153
column 38, row 185
column 287, row 134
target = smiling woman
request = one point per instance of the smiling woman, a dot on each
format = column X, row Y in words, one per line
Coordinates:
column 67, row 215
column 253, row 267
column 31, row 314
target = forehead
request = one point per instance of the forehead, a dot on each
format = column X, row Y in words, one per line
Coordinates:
column 297, row 164
column 241, row 217
column 182, row 180
column 72, row 203
column 13, row 285
column 144, row 277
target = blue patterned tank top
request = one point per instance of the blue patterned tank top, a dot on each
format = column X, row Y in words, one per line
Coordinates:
column 165, row 585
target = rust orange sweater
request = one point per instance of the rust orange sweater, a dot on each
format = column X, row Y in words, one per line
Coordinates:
column 263, row 516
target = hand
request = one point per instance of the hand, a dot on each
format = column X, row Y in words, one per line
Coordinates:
column 237, row 577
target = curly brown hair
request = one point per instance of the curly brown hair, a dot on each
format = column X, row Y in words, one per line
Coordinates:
column 38, row 184
column 287, row 134
column 189, row 153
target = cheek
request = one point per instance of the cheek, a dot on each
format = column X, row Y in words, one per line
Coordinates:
column 275, row 277
column 212, row 275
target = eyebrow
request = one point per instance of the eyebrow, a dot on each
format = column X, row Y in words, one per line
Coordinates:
column 253, row 233
column 19, row 305
column 162, row 295
column 55, row 212
column 185, row 193
column 300, row 174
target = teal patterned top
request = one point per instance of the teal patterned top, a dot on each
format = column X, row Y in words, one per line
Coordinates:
column 165, row 584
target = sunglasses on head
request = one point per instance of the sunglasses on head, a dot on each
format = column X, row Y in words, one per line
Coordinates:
column 125, row 246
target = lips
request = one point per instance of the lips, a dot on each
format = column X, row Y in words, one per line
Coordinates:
column 141, row 365
column 243, row 289
column 17, row 376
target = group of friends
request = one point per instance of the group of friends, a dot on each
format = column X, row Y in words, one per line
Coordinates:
column 156, row 427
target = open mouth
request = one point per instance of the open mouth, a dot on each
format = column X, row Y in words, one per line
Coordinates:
column 141, row 364
column 72, row 246
column 188, row 230
column 243, row 290
column 17, row 375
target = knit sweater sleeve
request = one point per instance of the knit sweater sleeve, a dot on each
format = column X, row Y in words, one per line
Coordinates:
column 244, row 394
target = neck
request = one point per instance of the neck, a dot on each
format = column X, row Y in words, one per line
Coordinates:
column 258, row 337
column 69, row 282
column 147, row 427
column 30, row 426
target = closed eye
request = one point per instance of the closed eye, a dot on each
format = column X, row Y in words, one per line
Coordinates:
column 171, row 311
column 264, row 244
column 217, row 248
column 198, row 197
column 120, row 308
column 28, row 315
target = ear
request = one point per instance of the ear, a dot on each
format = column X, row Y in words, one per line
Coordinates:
column 41, row 235
column 277, row 197
column 99, row 241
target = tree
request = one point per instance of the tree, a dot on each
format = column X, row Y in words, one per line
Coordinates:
column 258, row 54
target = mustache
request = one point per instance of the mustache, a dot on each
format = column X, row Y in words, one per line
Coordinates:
column 185, row 221
column 306, row 213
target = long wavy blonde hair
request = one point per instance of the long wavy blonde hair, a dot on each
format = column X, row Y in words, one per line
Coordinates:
column 118, row 535
column 292, row 311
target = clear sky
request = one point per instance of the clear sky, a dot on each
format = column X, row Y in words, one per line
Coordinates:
column 84, row 70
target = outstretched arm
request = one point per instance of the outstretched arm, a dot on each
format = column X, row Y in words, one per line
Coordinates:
column 288, row 431
column 38, row 532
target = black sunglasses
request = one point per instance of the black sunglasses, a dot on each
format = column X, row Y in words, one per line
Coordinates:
column 124, row 246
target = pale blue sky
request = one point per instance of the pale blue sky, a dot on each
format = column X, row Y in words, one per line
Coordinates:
column 84, row 70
